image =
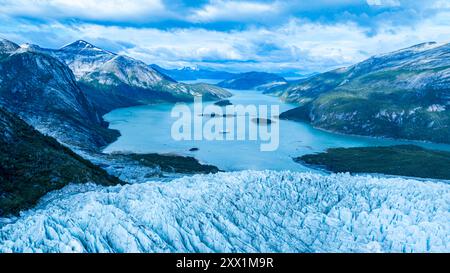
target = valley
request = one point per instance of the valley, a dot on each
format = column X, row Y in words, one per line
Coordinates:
column 147, row 129
column 51, row 126
column 89, row 162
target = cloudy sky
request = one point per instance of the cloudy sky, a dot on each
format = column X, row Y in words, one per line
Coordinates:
column 264, row 35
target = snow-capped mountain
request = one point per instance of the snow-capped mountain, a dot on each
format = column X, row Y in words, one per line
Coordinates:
column 113, row 81
column 126, row 71
column 43, row 91
column 7, row 47
column 83, row 57
column 429, row 60
column 32, row 164
column 239, row 212
column 252, row 80
column 63, row 92
column 193, row 73
column 403, row 94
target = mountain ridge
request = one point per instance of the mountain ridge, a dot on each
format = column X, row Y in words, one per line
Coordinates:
column 7, row 47
column 112, row 80
column 189, row 73
column 43, row 91
column 64, row 92
column 252, row 80
column 403, row 94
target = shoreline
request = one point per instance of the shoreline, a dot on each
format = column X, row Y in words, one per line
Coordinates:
column 410, row 141
column 397, row 160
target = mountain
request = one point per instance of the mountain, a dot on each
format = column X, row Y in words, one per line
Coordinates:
column 294, row 75
column 404, row 94
column 32, row 164
column 193, row 73
column 252, row 80
column 112, row 81
column 43, row 91
column 7, row 47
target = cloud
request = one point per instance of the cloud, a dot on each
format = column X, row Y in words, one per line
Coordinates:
column 107, row 10
column 220, row 10
column 220, row 14
column 388, row 3
column 441, row 4
column 290, row 35
column 299, row 44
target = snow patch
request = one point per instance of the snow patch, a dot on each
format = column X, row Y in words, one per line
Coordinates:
column 436, row 108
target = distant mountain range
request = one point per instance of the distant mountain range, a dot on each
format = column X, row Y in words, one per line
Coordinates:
column 252, row 80
column 404, row 94
column 193, row 73
column 239, row 81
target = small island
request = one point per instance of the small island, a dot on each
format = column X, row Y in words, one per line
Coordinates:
column 404, row 160
column 262, row 121
column 214, row 115
column 223, row 103
column 209, row 115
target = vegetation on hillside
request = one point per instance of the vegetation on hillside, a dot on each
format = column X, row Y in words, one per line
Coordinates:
column 405, row 160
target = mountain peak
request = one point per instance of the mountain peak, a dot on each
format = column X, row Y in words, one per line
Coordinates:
column 7, row 46
column 30, row 47
column 80, row 44
column 421, row 47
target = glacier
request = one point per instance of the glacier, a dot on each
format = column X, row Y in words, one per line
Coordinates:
column 247, row 211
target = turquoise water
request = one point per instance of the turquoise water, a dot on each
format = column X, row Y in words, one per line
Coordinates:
column 147, row 129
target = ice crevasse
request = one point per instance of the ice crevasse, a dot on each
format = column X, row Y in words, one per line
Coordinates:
column 249, row 211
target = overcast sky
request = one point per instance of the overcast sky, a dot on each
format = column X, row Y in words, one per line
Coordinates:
column 313, row 35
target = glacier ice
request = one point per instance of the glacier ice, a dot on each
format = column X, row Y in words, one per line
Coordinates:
column 248, row 211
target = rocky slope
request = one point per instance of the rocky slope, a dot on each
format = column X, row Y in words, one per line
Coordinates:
column 32, row 164
column 113, row 81
column 7, row 47
column 403, row 94
column 252, row 80
column 43, row 91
